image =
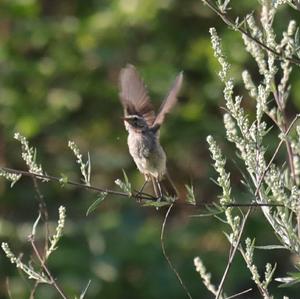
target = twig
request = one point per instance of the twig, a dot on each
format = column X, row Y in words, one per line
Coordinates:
column 227, row 20
column 57, row 179
column 298, row 221
column 8, row 288
column 275, row 154
column 283, row 127
column 53, row 282
column 33, row 290
column 232, row 254
column 238, row 294
column 166, row 255
column 253, row 205
column 138, row 196
column 43, row 211
column 290, row 157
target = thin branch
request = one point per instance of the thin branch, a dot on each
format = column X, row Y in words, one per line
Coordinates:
column 233, row 26
column 232, row 254
column 283, row 127
column 239, row 294
column 33, row 290
column 275, row 154
column 138, row 196
column 41, row 260
column 57, row 179
column 8, row 288
column 43, row 211
column 253, row 205
column 290, row 158
column 166, row 255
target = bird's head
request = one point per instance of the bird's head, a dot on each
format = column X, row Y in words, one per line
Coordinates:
column 135, row 122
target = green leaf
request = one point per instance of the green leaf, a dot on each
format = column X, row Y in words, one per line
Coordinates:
column 270, row 247
column 96, row 203
column 89, row 169
column 125, row 177
column 124, row 185
column 156, row 204
column 63, row 179
column 35, row 225
column 190, row 198
column 287, row 281
column 295, row 275
column 206, row 214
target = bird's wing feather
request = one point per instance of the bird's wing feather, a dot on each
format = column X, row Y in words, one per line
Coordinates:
column 169, row 101
column 134, row 96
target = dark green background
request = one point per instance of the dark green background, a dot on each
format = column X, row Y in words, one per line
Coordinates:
column 59, row 65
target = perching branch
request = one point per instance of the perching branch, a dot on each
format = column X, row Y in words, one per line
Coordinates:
column 73, row 183
column 140, row 197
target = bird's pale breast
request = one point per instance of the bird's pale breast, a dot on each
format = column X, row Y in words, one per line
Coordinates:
column 147, row 153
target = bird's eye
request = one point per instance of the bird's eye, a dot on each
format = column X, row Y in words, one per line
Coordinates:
column 135, row 118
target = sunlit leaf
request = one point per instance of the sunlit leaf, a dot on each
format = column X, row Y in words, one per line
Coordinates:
column 96, row 203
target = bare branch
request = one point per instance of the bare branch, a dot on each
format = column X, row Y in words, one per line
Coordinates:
column 275, row 154
column 43, row 265
column 139, row 196
column 166, row 255
column 239, row 294
column 57, row 179
column 232, row 254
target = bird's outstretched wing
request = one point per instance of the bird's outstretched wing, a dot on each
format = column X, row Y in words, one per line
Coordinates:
column 169, row 101
column 134, row 96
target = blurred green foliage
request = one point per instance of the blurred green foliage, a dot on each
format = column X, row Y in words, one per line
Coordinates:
column 59, row 65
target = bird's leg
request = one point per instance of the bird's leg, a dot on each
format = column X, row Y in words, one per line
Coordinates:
column 155, row 187
column 159, row 190
column 142, row 189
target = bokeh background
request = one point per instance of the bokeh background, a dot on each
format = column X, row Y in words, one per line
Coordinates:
column 59, row 65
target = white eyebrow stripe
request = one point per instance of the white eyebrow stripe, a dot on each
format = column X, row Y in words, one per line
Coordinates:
column 134, row 116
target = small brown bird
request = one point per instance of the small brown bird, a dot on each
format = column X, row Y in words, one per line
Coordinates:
column 143, row 129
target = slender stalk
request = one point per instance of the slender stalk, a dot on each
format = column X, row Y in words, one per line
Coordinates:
column 166, row 255
column 232, row 254
column 53, row 282
column 33, row 290
column 8, row 288
column 275, row 154
column 283, row 127
column 138, row 195
column 43, row 211
column 57, row 179
column 227, row 20
column 239, row 294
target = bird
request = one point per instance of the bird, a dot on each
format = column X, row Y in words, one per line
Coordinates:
column 143, row 127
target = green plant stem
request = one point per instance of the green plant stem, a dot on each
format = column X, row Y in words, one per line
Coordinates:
column 232, row 254
column 275, row 154
column 239, row 294
column 57, row 179
column 227, row 20
column 166, row 255
column 138, row 196
column 42, row 262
